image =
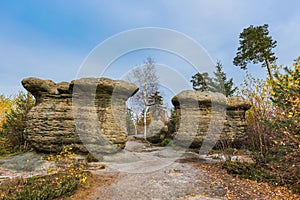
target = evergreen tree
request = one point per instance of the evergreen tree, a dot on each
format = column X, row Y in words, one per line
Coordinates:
column 156, row 98
column 220, row 82
column 255, row 46
column 201, row 81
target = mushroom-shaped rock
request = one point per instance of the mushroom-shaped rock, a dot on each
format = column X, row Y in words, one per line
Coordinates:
column 52, row 122
column 209, row 116
column 40, row 88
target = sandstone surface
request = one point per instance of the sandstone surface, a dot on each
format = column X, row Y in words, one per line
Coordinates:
column 87, row 110
column 157, row 130
column 209, row 117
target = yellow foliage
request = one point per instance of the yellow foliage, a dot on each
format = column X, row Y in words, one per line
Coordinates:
column 67, row 164
column 6, row 104
column 148, row 120
column 286, row 92
column 274, row 121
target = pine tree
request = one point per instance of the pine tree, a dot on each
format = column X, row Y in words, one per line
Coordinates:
column 220, row 82
column 156, row 99
column 201, row 81
column 256, row 46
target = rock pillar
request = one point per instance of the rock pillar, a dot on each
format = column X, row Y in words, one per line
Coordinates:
column 74, row 113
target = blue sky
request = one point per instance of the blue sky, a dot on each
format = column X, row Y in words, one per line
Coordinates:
column 51, row 39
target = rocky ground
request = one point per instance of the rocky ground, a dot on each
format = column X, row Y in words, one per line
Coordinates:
column 177, row 181
column 146, row 172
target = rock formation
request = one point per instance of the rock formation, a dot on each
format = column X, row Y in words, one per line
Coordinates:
column 89, row 110
column 209, row 117
column 157, row 130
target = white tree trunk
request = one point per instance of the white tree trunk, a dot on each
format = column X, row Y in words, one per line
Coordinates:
column 145, row 112
column 145, row 123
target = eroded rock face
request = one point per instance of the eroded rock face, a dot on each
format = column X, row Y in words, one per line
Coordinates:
column 89, row 111
column 209, row 117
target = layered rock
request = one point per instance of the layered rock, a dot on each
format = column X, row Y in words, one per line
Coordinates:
column 89, row 113
column 209, row 117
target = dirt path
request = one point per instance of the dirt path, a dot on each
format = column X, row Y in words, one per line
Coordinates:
column 177, row 181
column 187, row 179
column 143, row 171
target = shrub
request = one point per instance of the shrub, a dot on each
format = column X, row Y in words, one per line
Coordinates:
column 67, row 164
column 274, row 123
column 61, row 180
column 6, row 105
column 14, row 125
column 5, row 146
column 43, row 187
column 250, row 171
column 165, row 142
column 286, row 98
column 258, row 92
column 285, row 146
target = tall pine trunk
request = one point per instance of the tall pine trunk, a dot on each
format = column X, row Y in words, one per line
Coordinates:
column 269, row 69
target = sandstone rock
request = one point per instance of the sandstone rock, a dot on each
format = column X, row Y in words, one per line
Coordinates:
column 157, row 130
column 81, row 111
column 209, row 117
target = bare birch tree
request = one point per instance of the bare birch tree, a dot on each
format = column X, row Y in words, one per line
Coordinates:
column 146, row 79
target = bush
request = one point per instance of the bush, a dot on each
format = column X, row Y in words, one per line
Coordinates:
column 67, row 164
column 250, row 171
column 43, row 187
column 165, row 142
column 6, row 105
column 285, row 144
column 15, row 120
column 286, row 98
column 274, row 123
column 61, row 180
column 5, row 147
column 258, row 92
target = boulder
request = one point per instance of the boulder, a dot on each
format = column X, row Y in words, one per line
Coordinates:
column 88, row 113
column 210, row 117
column 157, row 129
